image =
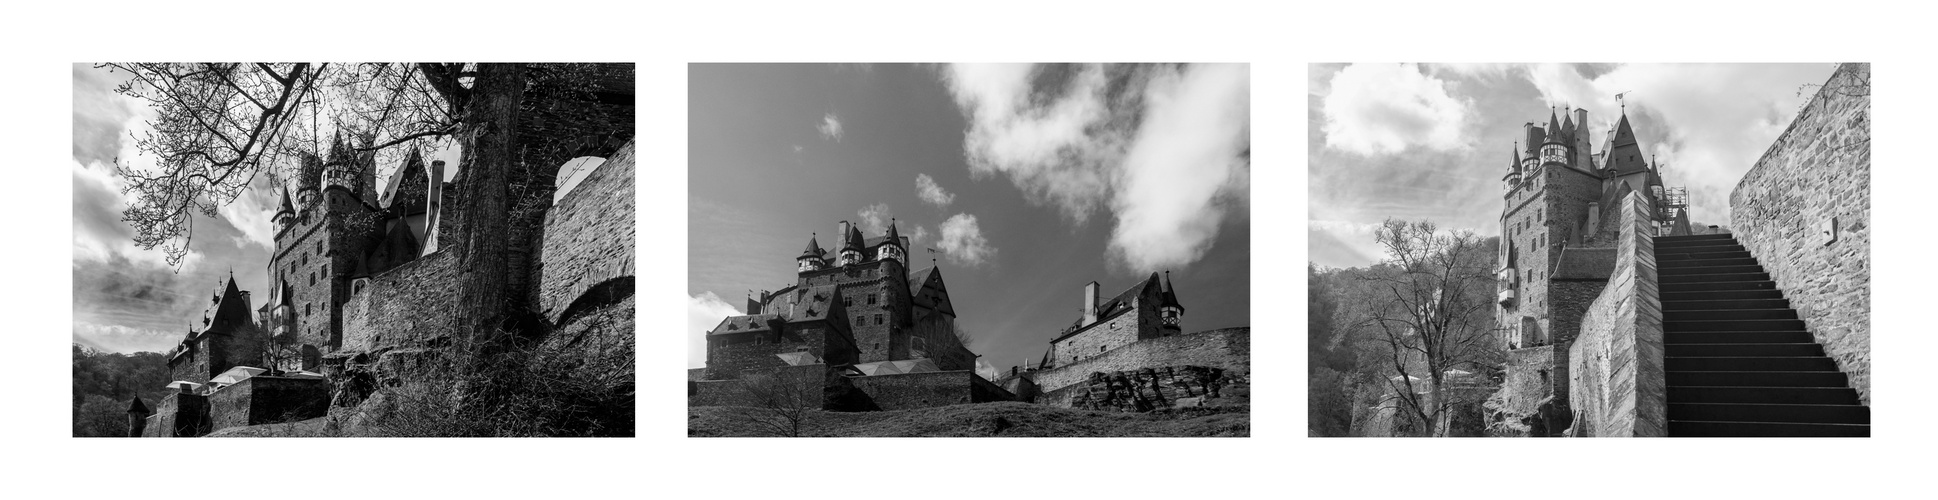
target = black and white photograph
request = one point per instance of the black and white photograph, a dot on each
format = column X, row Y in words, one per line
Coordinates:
column 353, row 249
column 1589, row 250
column 969, row 250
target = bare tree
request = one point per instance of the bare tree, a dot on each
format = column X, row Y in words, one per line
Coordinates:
column 1427, row 312
column 782, row 400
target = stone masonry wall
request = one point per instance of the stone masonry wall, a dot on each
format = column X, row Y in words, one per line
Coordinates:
column 588, row 235
column 905, row 391
column 263, row 400
column 1097, row 340
column 1819, row 170
column 407, row 306
column 1228, row 348
column 178, row 415
column 1616, row 381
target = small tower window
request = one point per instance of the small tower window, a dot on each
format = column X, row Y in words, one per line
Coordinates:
column 878, row 319
column 312, row 278
column 848, row 301
column 871, row 299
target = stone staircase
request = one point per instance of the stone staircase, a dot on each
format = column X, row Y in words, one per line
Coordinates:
column 1738, row 361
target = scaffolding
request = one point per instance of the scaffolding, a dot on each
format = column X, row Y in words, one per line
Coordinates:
column 1674, row 200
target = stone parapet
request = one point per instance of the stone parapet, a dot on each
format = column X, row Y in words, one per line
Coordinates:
column 1228, row 349
column 1616, row 380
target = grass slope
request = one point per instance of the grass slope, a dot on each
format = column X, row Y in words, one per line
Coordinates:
column 987, row 419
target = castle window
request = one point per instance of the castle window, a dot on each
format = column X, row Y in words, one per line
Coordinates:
column 306, row 258
column 878, row 319
column 312, row 278
column 871, row 299
column 306, row 309
column 860, row 321
column 848, row 301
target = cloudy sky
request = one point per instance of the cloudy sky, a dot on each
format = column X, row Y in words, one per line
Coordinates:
column 1432, row 141
column 127, row 299
column 1028, row 182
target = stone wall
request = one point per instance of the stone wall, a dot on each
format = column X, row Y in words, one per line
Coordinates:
column 1818, row 171
column 178, row 415
column 265, row 400
column 905, row 391
column 1149, row 389
column 406, row 307
column 1108, row 333
column 806, row 381
column 1616, row 381
column 588, row 235
column 1530, row 401
column 1228, row 348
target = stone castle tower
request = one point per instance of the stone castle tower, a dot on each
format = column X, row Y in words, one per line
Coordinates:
column 1557, row 234
column 336, row 235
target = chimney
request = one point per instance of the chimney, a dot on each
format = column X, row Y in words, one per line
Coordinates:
column 1090, row 303
column 433, row 201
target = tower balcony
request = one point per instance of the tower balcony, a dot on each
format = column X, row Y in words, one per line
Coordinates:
column 1507, row 297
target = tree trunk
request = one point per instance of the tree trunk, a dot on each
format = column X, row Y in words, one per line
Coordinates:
column 490, row 128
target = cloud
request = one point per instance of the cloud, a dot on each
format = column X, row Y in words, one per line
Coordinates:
column 703, row 312
column 986, row 370
column 932, row 193
column 1058, row 146
column 1375, row 109
column 100, row 115
column 873, row 219
column 1165, row 148
column 962, row 241
column 917, row 236
column 1191, row 148
column 830, row 127
column 1708, row 123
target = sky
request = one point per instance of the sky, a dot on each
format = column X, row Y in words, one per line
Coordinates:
column 1028, row 181
column 127, row 299
column 1432, row 141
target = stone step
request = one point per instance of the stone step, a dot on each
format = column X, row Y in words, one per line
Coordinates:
column 1742, row 349
column 1740, row 412
column 1769, row 337
column 1763, row 395
column 1700, row 249
column 1683, row 303
column 1679, row 428
column 1742, row 291
column 1679, row 271
column 1757, row 379
column 1666, row 264
column 1692, row 242
column 1735, row 325
column 1727, row 314
column 1748, row 364
column 1682, row 254
column 1697, row 237
column 1716, row 286
column 1667, row 279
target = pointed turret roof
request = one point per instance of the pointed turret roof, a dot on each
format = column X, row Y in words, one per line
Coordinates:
column 1514, row 169
column 1624, row 135
column 1170, row 296
column 138, row 408
column 854, row 240
column 285, row 207
column 813, row 250
column 339, row 152
column 894, row 237
column 1554, row 128
column 1568, row 125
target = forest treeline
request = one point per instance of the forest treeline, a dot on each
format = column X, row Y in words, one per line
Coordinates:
column 104, row 382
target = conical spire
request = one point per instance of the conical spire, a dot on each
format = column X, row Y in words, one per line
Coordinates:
column 854, row 240
column 1568, row 125
column 285, row 207
column 339, row 152
column 1554, row 128
column 1170, row 296
column 813, row 250
column 1624, row 135
column 138, row 408
column 894, row 237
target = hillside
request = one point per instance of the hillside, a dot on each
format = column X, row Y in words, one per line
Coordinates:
column 987, row 419
column 104, row 382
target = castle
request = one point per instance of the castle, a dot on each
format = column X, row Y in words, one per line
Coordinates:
column 859, row 306
column 1618, row 320
column 887, row 338
column 1558, row 228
